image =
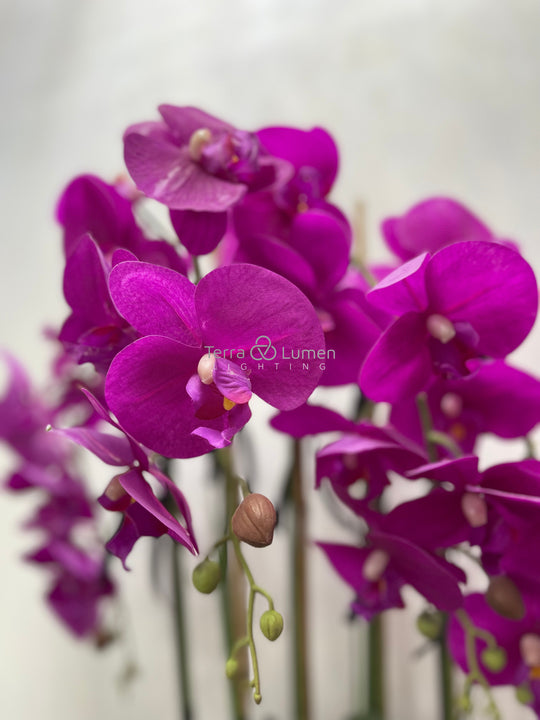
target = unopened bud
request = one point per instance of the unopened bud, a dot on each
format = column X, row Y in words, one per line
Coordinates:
column 206, row 576
column 440, row 328
column 271, row 624
column 475, row 509
column 430, row 624
column 494, row 659
column 231, row 667
column 529, row 647
column 197, row 142
column 524, row 695
column 375, row 565
column 254, row 520
column 504, row 597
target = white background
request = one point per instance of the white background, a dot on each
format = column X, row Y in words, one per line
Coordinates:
column 423, row 96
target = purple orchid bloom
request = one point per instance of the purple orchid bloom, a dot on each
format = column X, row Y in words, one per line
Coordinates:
column 365, row 456
column 431, row 225
column 129, row 492
column 469, row 300
column 24, row 417
column 378, row 572
column 501, row 506
column 314, row 156
column 496, row 398
column 91, row 206
column 183, row 388
column 94, row 332
column 76, row 601
column 199, row 167
column 79, row 585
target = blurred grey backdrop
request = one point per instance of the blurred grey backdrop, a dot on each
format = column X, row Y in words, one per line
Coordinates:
column 423, row 97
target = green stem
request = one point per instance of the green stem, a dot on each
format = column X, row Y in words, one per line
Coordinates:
column 445, row 679
column 253, row 589
column 444, row 440
column 232, row 590
column 180, row 634
column 299, row 589
column 179, row 615
column 376, row 670
column 427, row 425
column 433, row 438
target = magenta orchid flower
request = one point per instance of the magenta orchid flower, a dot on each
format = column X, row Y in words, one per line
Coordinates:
column 94, row 331
column 469, row 300
column 129, row 492
column 431, row 225
column 88, row 205
column 183, row 388
column 378, row 572
column 199, row 167
column 496, row 398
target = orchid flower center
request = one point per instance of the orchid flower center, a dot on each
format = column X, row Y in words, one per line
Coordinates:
column 232, row 156
column 375, row 565
column 474, row 508
column 529, row 646
column 440, row 328
column 301, row 192
column 205, row 368
column 452, row 405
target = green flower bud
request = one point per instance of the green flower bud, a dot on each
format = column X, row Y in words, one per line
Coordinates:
column 494, row 659
column 524, row 695
column 271, row 624
column 206, row 576
column 430, row 624
column 257, row 697
column 231, row 667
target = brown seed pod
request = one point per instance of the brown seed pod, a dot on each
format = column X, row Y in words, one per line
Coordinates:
column 504, row 597
column 254, row 520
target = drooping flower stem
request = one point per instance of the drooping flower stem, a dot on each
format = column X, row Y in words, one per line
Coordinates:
column 376, row 669
column 249, row 641
column 233, row 592
column 299, row 587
